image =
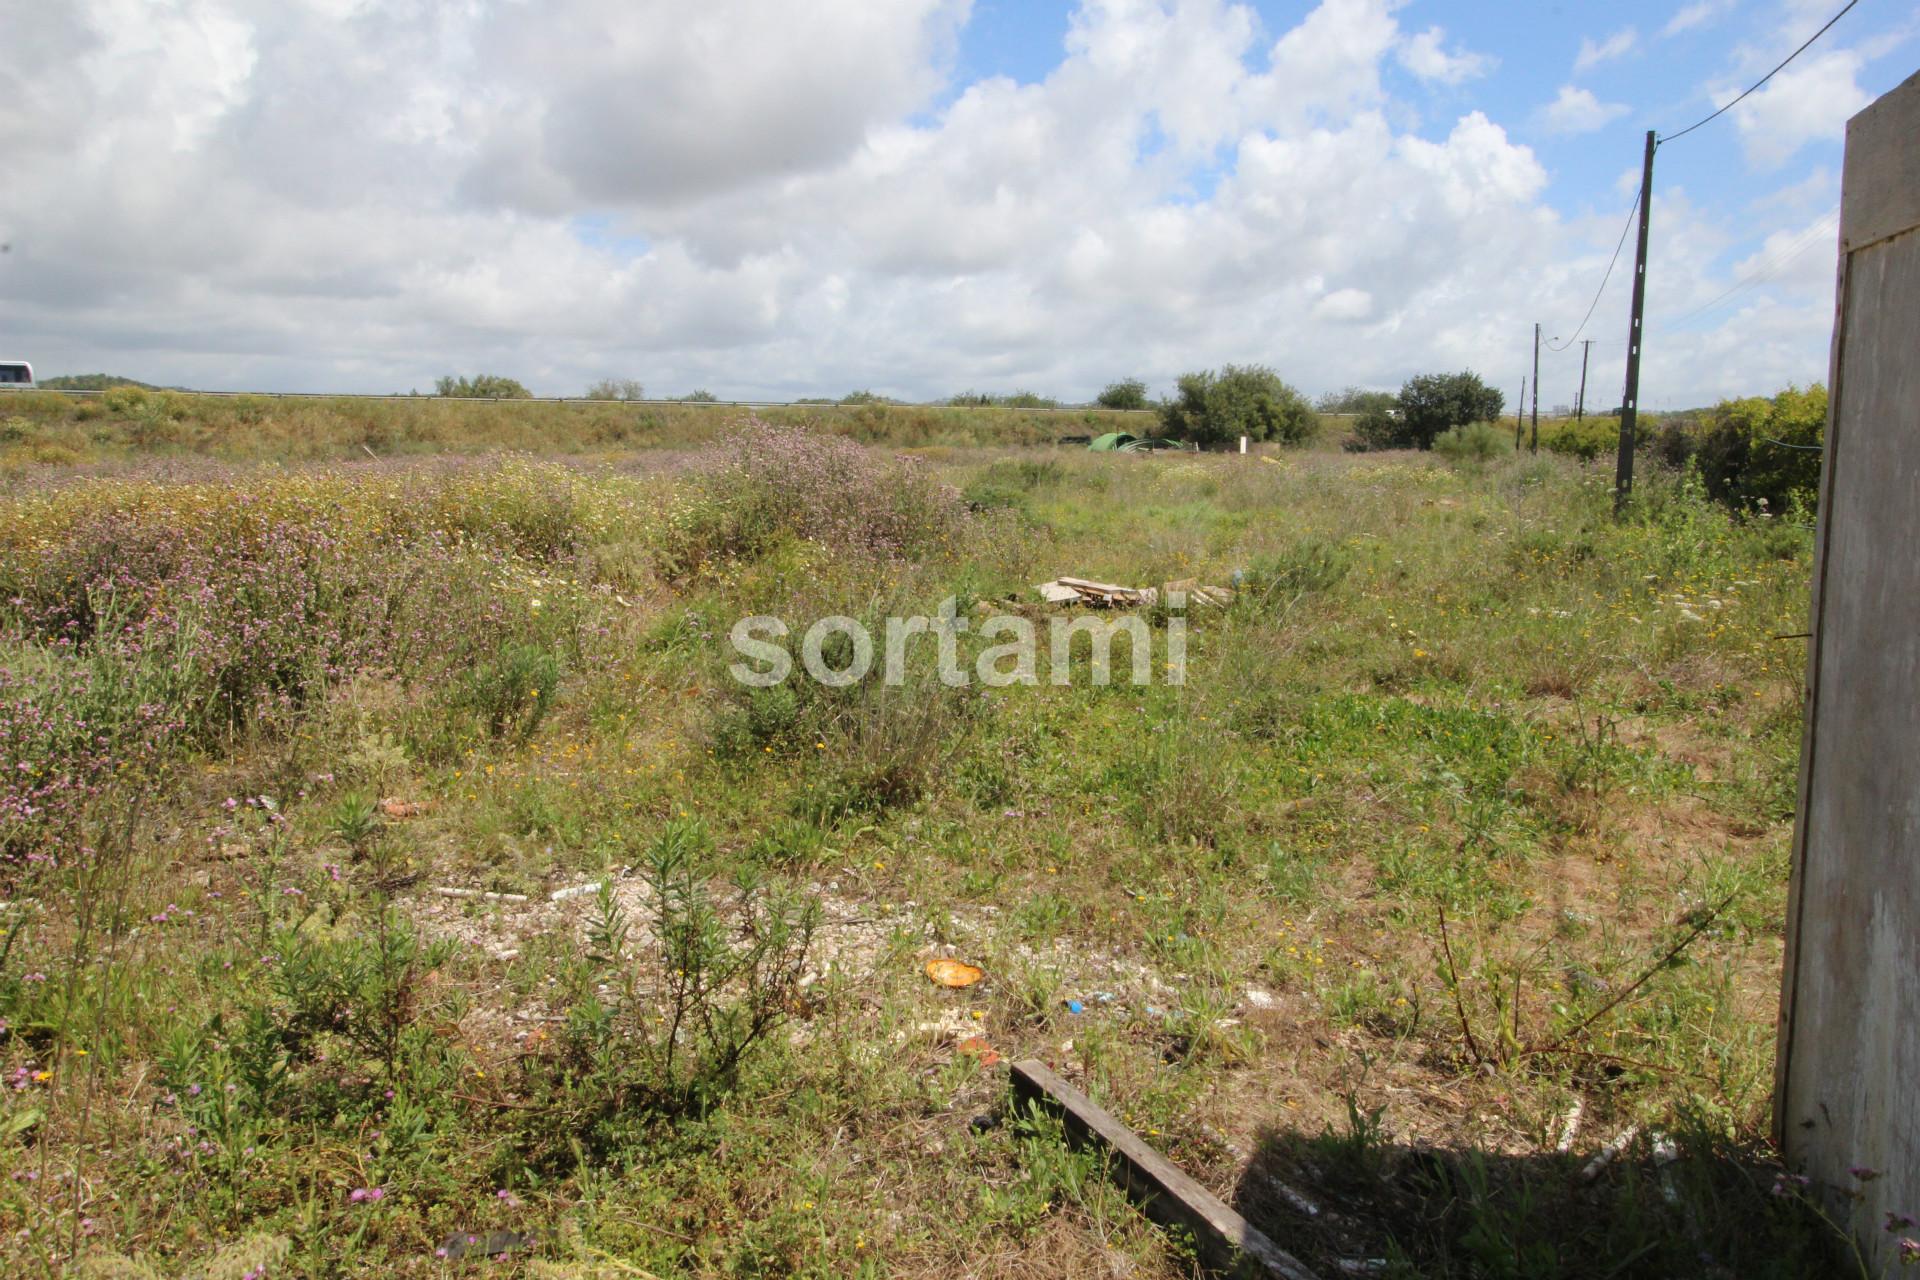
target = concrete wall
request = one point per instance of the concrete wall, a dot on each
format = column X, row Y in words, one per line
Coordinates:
column 1848, row 1080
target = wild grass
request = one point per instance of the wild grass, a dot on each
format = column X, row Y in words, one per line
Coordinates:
column 242, row 1027
column 49, row 428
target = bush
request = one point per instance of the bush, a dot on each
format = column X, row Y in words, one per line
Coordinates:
column 616, row 389
column 1379, row 428
column 702, row 396
column 685, row 997
column 1239, row 400
column 1434, row 402
column 1010, row 400
column 1356, row 400
column 1129, row 393
column 1759, row 451
column 1583, row 438
column 765, row 483
column 1272, row 583
column 1477, row 442
column 1674, row 443
column 512, row 692
column 482, row 386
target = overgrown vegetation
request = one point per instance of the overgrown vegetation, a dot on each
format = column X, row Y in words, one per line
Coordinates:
column 481, row 386
column 47, row 429
column 1216, row 408
column 1128, row 393
column 1428, row 404
column 268, row 713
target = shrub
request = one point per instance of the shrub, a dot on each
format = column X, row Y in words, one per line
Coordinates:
column 1309, row 565
column 1356, row 400
column 683, row 1001
column 1129, row 393
column 1674, row 443
column 1433, row 402
column 1010, row 400
column 1583, row 438
column 1477, row 442
column 482, row 386
column 1379, row 427
column 511, row 692
column 1239, row 400
column 124, row 399
column 701, row 396
column 765, row 482
column 616, row 389
column 1760, row 450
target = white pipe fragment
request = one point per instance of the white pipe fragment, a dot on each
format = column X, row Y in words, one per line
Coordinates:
column 1569, row 1127
column 479, row 894
column 573, row 891
column 1609, row 1153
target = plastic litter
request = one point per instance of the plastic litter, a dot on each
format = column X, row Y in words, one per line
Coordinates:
column 954, row 973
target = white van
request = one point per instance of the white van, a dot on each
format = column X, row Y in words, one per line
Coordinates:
column 15, row 373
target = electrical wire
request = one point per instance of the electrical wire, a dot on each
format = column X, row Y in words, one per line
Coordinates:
column 1611, row 263
column 1760, row 274
column 1763, row 79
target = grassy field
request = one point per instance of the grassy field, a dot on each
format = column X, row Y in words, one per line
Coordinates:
column 50, row 428
column 1460, row 852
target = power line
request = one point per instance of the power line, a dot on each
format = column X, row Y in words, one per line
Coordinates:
column 1603, row 279
column 1765, row 271
column 1763, row 79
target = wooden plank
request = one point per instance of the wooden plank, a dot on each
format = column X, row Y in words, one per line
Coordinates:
column 1880, row 185
column 1226, row 1243
column 1849, row 1046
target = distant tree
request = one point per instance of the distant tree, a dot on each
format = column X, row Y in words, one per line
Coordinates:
column 1239, row 400
column 702, row 396
column 616, row 389
column 865, row 397
column 91, row 382
column 1434, row 402
column 482, row 386
column 1012, row 400
column 1128, row 393
column 1357, row 400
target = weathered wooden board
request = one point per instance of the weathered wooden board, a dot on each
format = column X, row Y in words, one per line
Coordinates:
column 1225, row 1241
column 1847, row 1088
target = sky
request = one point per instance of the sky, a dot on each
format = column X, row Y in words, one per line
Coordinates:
column 921, row 197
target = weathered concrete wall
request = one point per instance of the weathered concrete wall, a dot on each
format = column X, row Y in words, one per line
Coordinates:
column 1848, row 1083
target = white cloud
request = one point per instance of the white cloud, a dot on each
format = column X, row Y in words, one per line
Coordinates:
column 1593, row 53
column 1811, row 99
column 1578, row 111
column 1345, row 305
column 1426, row 56
column 1697, row 14
column 235, row 193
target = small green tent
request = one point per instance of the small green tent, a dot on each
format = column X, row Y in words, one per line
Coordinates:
column 1110, row 441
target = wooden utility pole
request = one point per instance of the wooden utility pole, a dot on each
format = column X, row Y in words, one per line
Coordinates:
column 1520, row 416
column 1630, row 401
column 1580, row 404
column 1534, row 445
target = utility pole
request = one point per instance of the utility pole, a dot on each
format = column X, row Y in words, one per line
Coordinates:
column 1520, row 415
column 1580, row 405
column 1630, row 401
column 1534, row 446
